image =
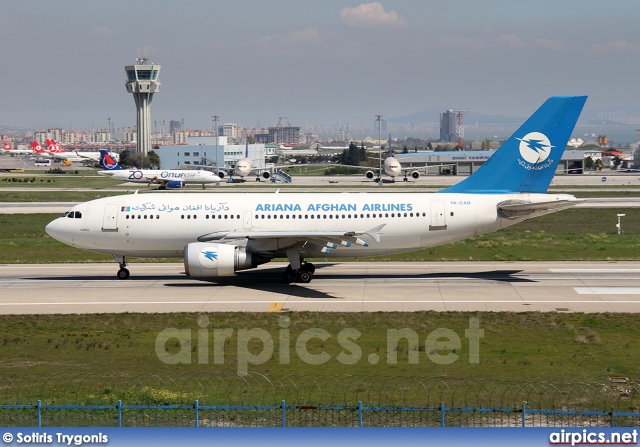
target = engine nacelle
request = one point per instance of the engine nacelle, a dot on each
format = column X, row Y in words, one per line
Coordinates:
column 209, row 260
column 266, row 175
column 174, row 184
column 415, row 175
column 369, row 174
column 221, row 174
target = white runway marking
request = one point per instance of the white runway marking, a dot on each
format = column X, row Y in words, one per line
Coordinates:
column 607, row 290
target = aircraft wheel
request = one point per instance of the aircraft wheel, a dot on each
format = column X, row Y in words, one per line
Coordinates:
column 288, row 276
column 308, row 267
column 123, row 273
column 305, row 276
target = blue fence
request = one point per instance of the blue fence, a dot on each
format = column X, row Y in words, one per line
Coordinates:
column 285, row 414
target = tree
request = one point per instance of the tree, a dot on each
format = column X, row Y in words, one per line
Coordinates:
column 589, row 164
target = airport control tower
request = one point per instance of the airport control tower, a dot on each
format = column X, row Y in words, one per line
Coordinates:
column 142, row 81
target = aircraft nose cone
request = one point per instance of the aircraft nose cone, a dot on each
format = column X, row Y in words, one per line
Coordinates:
column 51, row 228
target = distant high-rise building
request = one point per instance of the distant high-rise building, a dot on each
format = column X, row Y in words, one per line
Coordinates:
column 142, row 82
column 448, row 126
column 175, row 125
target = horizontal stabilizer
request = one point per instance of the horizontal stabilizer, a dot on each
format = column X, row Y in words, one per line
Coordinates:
column 515, row 208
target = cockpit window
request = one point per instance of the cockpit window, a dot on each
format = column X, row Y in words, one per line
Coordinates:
column 70, row 215
column 73, row 214
column 78, row 215
column 65, row 214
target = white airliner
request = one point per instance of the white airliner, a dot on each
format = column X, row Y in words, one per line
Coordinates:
column 391, row 167
column 219, row 234
column 166, row 178
column 244, row 167
column 12, row 151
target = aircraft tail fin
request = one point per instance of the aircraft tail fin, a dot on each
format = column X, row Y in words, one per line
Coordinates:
column 527, row 161
column 35, row 147
column 107, row 161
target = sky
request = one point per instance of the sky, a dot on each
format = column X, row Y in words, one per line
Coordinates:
column 315, row 62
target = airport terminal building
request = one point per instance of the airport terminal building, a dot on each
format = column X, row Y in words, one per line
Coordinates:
column 201, row 151
column 468, row 162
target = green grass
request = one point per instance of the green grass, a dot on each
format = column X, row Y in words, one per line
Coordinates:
column 112, row 356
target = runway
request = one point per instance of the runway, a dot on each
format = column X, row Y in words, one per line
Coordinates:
column 337, row 287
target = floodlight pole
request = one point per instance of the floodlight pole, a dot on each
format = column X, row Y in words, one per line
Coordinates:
column 379, row 120
column 215, row 120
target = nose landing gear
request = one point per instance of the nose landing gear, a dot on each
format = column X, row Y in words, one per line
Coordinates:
column 123, row 273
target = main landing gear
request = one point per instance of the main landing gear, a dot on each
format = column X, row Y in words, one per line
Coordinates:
column 123, row 273
column 304, row 274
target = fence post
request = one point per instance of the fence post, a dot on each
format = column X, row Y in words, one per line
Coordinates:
column 613, row 422
column 441, row 414
column 119, row 408
column 360, row 413
column 38, row 405
column 284, row 413
column 524, row 409
column 195, row 406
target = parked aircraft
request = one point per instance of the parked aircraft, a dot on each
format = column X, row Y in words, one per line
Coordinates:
column 219, row 234
column 244, row 167
column 166, row 178
column 12, row 151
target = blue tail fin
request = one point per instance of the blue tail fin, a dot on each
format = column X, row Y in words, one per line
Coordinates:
column 527, row 161
column 108, row 162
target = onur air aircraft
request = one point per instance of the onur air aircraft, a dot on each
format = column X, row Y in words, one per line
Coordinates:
column 166, row 178
column 221, row 233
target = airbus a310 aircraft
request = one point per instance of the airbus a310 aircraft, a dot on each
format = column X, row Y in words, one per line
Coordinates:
column 219, row 234
column 166, row 178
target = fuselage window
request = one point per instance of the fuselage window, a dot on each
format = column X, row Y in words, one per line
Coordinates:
column 361, row 216
column 324, row 216
column 145, row 216
column 311, row 216
column 393, row 215
column 182, row 217
column 226, row 216
column 424, row 214
column 195, row 216
column 411, row 215
column 367, row 216
column 262, row 216
column 231, row 216
column 405, row 214
column 188, row 216
column 127, row 216
column 139, row 217
column 287, row 216
column 151, row 216
column 238, row 216
column 268, row 216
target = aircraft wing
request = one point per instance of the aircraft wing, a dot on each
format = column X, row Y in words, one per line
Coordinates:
column 346, row 236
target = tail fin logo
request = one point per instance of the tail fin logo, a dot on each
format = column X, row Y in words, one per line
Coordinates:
column 535, row 148
column 108, row 162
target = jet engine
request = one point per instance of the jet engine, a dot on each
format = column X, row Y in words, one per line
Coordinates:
column 369, row 174
column 207, row 260
column 174, row 184
column 415, row 175
column 221, row 174
column 266, row 175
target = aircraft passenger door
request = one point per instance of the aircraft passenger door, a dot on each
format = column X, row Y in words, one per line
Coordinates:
column 438, row 217
column 110, row 219
column 247, row 220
